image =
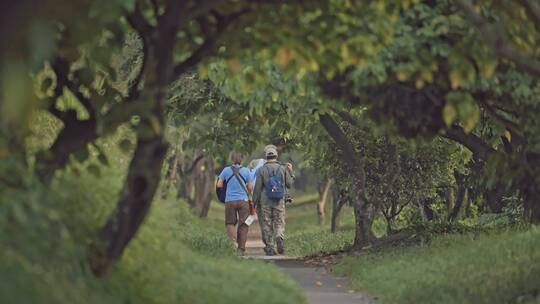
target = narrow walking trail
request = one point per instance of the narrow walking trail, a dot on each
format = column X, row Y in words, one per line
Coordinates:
column 320, row 287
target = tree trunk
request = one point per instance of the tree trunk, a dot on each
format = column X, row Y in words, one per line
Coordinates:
column 206, row 189
column 428, row 211
column 322, row 202
column 460, row 197
column 389, row 229
column 171, row 176
column 188, row 194
column 336, row 209
column 494, row 199
column 138, row 192
column 467, row 204
column 363, row 211
column 145, row 169
column 449, row 199
column 205, row 208
column 532, row 208
column 531, row 199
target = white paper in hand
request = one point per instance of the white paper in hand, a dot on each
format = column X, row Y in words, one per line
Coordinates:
column 249, row 220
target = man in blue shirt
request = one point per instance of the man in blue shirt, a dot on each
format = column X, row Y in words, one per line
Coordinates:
column 236, row 200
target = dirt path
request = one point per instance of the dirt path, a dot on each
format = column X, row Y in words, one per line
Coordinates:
column 319, row 286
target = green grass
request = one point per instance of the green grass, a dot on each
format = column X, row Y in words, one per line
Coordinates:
column 189, row 261
column 489, row 268
column 318, row 241
column 175, row 257
column 305, row 236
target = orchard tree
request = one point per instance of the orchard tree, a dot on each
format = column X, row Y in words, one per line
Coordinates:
column 436, row 78
column 83, row 39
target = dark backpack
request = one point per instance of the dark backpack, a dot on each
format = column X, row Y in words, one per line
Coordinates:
column 222, row 192
column 275, row 190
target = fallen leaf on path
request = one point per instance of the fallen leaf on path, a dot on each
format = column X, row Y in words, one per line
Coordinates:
column 318, row 283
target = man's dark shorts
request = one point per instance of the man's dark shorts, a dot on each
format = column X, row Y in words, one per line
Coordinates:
column 236, row 210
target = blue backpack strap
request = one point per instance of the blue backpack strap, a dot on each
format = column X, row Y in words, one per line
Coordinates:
column 274, row 172
column 232, row 169
column 268, row 170
column 232, row 175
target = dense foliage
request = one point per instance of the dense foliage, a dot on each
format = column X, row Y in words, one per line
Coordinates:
column 421, row 111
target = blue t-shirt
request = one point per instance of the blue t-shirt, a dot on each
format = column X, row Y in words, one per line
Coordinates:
column 235, row 191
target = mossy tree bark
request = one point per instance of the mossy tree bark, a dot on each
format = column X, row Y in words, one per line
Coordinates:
column 364, row 212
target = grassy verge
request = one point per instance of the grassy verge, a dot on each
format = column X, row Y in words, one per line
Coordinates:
column 307, row 236
column 490, row 268
column 188, row 260
column 174, row 258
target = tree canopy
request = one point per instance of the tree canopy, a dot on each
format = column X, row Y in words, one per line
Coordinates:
column 392, row 91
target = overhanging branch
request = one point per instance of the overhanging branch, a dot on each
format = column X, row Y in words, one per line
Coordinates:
column 479, row 148
column 139, row 23
column 346, row 116
column 208, row 46
column 194, row 164
column 155, row 8
column 339, row 137
column 508, row 124
column 87, row 104
column 203, row 7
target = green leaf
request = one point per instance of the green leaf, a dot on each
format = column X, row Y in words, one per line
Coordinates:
column 449, row 114
column 94, row 170
column 471, row 119
column 82, row 154
column 46, row 84
column 467, row 110
column 125, row 145
column 129, row 5
column 102, row 158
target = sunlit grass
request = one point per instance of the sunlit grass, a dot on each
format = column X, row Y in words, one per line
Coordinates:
column 306, row 235
column 496, row 268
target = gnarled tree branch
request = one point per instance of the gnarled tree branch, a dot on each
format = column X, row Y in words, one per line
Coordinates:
column 87, row 104
column 474, row 143
column 346, row 116
column 137, row 21
column 203, row 7
column 334, row 130
column 208, row 46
